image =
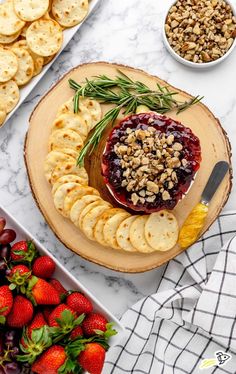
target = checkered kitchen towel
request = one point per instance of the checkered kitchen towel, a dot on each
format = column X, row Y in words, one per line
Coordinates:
column 189, row 324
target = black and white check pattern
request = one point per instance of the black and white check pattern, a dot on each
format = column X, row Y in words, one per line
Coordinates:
column 191, row 316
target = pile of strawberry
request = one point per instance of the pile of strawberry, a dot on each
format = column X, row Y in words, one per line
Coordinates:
column 58, row 331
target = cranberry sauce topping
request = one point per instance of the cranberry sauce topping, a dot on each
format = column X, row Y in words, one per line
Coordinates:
column 150, row 161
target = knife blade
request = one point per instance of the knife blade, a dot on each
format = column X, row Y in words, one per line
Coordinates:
column 214, row 181
column 194, row 223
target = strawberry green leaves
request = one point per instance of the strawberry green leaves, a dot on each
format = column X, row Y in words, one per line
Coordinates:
column 33, row 346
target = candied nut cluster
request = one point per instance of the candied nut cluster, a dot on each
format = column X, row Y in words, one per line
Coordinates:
column 201, row 31
column 149, row 160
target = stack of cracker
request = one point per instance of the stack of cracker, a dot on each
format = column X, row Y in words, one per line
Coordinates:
column 31, row 34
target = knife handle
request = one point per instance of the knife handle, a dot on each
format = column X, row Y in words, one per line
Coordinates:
column 193, row 225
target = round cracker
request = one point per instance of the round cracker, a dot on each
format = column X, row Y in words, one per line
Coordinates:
column 65, row 168
column 38, row 60
column 137, row 235
column 65, row 138
column 73, row 122
column 52, row 160
column 44, row 37
column 30, row 10
column 76, row 194
column 9, row 95
column 25, row 66
column 94, row 109
column 3, row 114
column 86, row 209
column 123, row 235
column 79, row 205
column 89, row 109
column 10, row 23
column 60, row 194
column 90, row 219
column 69, row 13
column 67, row 179
column 7, row 39
column 162, row 230
column 71, row 152
column 8, row 65
column 111, row 227
column 98, row 229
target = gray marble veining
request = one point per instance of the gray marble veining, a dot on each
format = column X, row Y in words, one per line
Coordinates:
column 128, row 32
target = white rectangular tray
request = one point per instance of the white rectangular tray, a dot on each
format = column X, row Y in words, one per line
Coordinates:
column 67, row 36
column 63, row 275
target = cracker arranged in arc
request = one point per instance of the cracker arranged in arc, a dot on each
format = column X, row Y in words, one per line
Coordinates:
column 98, row 229
column 3, row 113
column 30, row 10
column 69, row 13
column 25, row 66
column 44, row 37
column 10, row 23
column 86, row 209
column 68, row 167
column 90, row 219
column 123, row 235
column 161, row 230
column 79, row 205
column 60, row 195
column 137, row 235
column 8, row 65
column 67, row 179
column 52, row 160
column 7, row 39
column 94, row 109
column 75, row 194
column 111, row 226
column 70, row 152
column 65, row 138
column 9, row 95
column 73, row 122
column 89, row 109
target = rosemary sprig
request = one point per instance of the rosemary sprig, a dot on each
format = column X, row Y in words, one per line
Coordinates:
column 129, row 94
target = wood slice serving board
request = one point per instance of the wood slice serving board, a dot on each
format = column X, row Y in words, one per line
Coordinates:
column 214, row 143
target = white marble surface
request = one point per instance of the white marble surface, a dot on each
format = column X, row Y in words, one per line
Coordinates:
column 128, row 32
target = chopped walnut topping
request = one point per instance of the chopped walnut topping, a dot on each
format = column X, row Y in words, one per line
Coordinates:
column 201, row 30
column 149, row 160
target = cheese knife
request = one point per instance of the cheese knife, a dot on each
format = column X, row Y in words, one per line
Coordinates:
column 194, row 223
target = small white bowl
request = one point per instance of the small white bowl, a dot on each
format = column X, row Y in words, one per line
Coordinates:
column 191, row 64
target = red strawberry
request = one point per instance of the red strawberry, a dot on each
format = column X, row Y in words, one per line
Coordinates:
column 6, row 302
column 47, row 311
column 59, row 287
column 23, row 251
column 21, row 312
column 79, row 303
column 41, row 292
column 50, row 361
column 94, row 321
column 77, row 332
column 57, row 314
column 19, row 275
column 44, row 267
column 92, row 358
column 37, row 323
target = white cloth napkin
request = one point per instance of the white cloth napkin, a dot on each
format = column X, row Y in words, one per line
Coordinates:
column 191, row 317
